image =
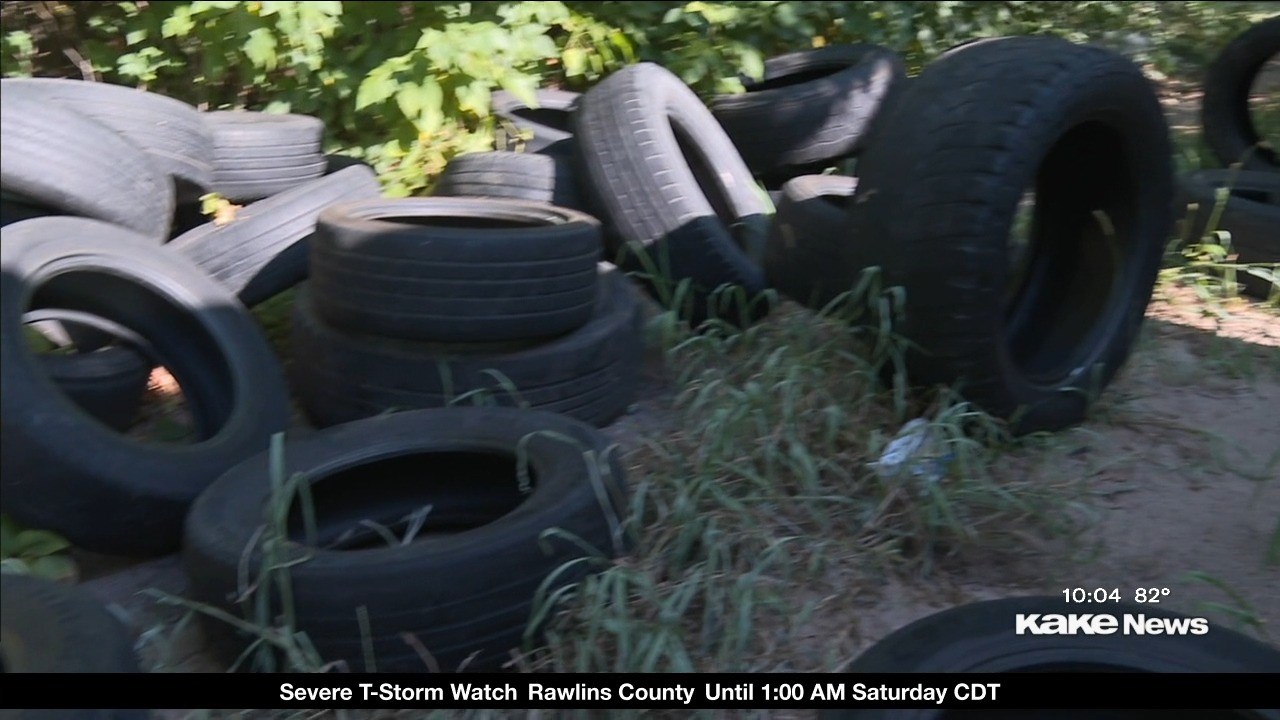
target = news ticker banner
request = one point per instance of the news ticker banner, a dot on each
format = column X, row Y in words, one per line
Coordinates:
column 1035, row 691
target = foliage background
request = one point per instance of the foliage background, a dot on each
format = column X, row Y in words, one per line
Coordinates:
column 406, row 85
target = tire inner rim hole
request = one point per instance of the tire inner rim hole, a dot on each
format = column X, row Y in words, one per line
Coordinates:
column 408, row 498
column 1264, row 104
column 189, row 392
column 457, row 221
column 550, row 117
column 1067, row 280
column 808, row 74
column 708, row 181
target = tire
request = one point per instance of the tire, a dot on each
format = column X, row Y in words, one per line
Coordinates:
column 62, row 470
column 589, row 374
column 980, row 638
column 515, row 176
column 1028, row 335
column 805, row 256
column 486, row 271
column 170, row 131
column 107, row 382
column 258, row 154
column 49, row 627
column 1228, row 127
column 811, row 108
column 1251, row 215
column 263, row 251
column 65, row 161
column 488, row 567
column 654, row 193
column 550, row 123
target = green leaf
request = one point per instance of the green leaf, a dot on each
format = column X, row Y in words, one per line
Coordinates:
column 412, row 100
column 38, row 543
column 432, row 115
column 179, row 24
column 524, row 87
column 15, row 566
column 261, row 48
column 133, row 37
column 575, row 61
column 752, row 64
column 376, row 87
column 474, row 98
column 58, row 568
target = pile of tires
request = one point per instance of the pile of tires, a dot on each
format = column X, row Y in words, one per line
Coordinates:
column 96, row 179
column 1242, row 201
column 428, row 302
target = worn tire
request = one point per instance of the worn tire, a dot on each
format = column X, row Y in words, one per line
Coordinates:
column 1228, row 127
column 257, row 154
column 62, row 470
column 589, row 374
column 805, row 256
column 263, row 251
column 48, row 627
column 811, row 108
column 935, row 208
column 486, row 271
column 1251, row 215
column 514, row 176
column 60, row 159
column 482, row 578
column 979, row 638
column 550, row 123
column 650, row 183
column 170, row 131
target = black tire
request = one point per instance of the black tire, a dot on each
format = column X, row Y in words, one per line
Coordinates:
column 170, row 131
column 61, row 159
column 811, row 108
column 48, row 627
column 515, row 176
column 467, row 596
column 662, row 173
column 1251, row 214
column 455, row 269
column 64, row 471
column 590, row 374
column 257, row 154
column 106, row 382
column 263, row 251
column 980, row 638
column 805, row 256
column 1228, row 127
column 1029, row 335
column 550, row 123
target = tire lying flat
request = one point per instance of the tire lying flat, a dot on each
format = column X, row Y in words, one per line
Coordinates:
column 515, row 176
column 805, row 256
column 1029, row 335
column 264, row 250
column 811, row 108
column 589, row 374
column 979, row 638
column 171, row 132
column 466, row 596
column 1251, row 215
column 661, row 172
column 455, row 269
column 64, row 471
column 1228, row 127
column 257, row 154
column 61, row 159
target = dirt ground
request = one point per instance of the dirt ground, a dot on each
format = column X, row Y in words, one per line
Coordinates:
column 1180, row 468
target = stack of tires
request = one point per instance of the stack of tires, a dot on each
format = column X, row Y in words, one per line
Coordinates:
column 428, row 302
column 1250, row 213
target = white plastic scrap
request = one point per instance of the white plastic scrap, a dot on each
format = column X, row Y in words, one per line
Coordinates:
column 914, row 453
